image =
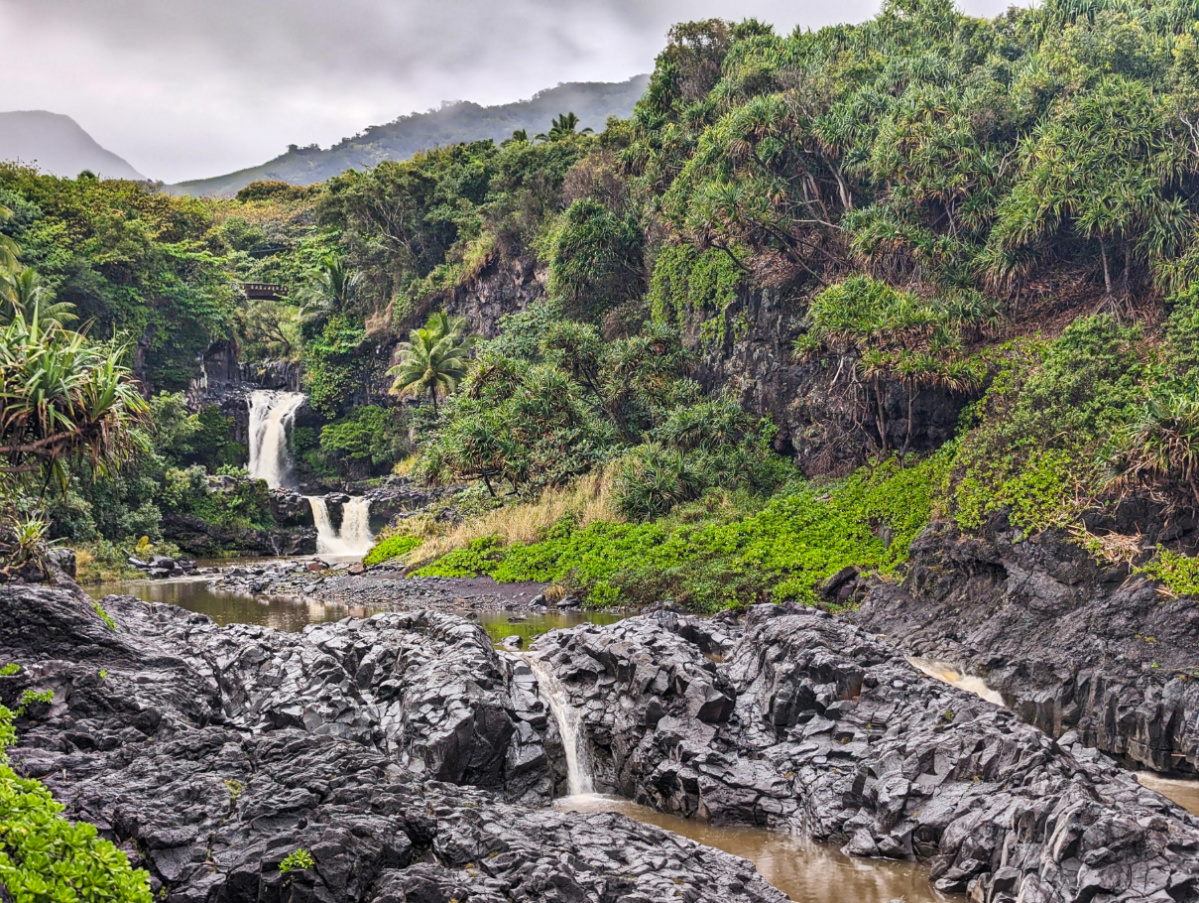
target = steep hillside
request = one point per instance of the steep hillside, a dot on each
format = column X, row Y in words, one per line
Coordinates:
column 56, row 144
column 593, row 102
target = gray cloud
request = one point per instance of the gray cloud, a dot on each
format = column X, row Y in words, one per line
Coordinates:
column 192, row 88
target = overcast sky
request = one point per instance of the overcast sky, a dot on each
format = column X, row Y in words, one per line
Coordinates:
column 192, row 88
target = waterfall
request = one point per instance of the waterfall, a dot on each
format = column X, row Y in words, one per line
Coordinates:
column 578, row 768
column 354, row 539
column 271, row 417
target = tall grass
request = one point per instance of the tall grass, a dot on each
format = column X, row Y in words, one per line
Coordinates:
column 589, row 500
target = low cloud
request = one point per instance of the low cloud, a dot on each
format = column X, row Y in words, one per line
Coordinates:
column 192, row 88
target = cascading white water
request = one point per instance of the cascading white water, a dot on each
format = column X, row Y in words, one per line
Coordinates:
column 579, row 780
column 354, row 539
column 272, row 415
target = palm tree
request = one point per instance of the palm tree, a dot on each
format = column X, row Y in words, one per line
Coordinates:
column 563, row 126
column 29, row 296
column 333, row 290
column 433, row 359
column 8, row 247
column 520, row 136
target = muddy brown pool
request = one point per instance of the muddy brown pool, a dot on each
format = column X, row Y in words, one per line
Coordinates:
column 806, row 872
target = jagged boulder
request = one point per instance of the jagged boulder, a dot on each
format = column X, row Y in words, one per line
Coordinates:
column 210, row 754
column 1072, row 645
column 811, row 725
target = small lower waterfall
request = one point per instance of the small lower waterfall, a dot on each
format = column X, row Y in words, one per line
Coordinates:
column 354, row 539
column 272, row 415
column 579, row 780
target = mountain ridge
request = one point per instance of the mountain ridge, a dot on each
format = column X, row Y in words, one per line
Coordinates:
column 453, row 123
column 57, row 145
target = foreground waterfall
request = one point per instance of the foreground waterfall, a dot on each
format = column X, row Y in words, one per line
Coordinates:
column 353, row 539
column 272, row 415
column 578, row 768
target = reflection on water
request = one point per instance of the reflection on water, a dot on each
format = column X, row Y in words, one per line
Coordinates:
column 293, row 616
column 233, row 608
column 806, row 872
column 1183, row 792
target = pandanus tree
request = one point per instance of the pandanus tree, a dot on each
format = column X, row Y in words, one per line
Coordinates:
column 62, row 397
column 434, row 359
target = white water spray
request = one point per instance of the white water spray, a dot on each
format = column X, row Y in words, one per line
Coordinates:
column 579, row 780
column 272, row 415
column 354, row 539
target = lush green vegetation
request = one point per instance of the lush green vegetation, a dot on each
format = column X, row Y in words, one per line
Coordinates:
column 710, row 555
column 926, row 207
column 45, row 857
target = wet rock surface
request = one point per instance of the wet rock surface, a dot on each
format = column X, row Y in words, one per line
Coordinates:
column 381, row 587
column 809, row 724
column 401, row 751
column 1074, row 647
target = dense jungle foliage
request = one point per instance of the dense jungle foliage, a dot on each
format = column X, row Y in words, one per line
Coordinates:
column 998, row 216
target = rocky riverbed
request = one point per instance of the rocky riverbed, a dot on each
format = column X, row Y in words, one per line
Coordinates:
column 402, row 751
column 1075, row 647
column 416, row 762
column 381, row 587
column 808, row 724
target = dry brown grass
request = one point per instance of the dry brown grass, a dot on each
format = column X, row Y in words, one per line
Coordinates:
column 589, row 500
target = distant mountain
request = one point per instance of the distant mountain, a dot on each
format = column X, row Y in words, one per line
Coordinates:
column 593, row 102
column 56, row 144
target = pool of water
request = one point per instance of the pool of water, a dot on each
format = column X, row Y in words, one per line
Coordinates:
column 807, row 872
column 194, row 594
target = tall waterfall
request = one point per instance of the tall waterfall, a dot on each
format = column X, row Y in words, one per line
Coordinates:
column 353, row 539
column 272, row 415
column 578, row 767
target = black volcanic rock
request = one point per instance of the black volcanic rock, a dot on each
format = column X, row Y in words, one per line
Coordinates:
column 1072, row 645
column 810, row 725
column 211, row 754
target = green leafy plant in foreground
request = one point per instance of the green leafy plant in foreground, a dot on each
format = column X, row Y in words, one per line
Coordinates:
column 44, row 857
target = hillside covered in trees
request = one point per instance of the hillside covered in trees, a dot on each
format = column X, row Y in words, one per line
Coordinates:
column 817, row 291
column 592, row 102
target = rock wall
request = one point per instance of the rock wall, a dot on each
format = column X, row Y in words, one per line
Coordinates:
column 1075, row 647
column 501, row 288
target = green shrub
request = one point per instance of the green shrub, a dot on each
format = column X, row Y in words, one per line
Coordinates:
column 392, row 547
column 784, row 551
column 44, row 857
column 1178, row 573
column 297, row 859
column 1044, row 422
column 371, row 438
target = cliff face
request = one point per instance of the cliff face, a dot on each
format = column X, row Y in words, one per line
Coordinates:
column 501, row 288
column 827, row 417
column 1075, row 646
